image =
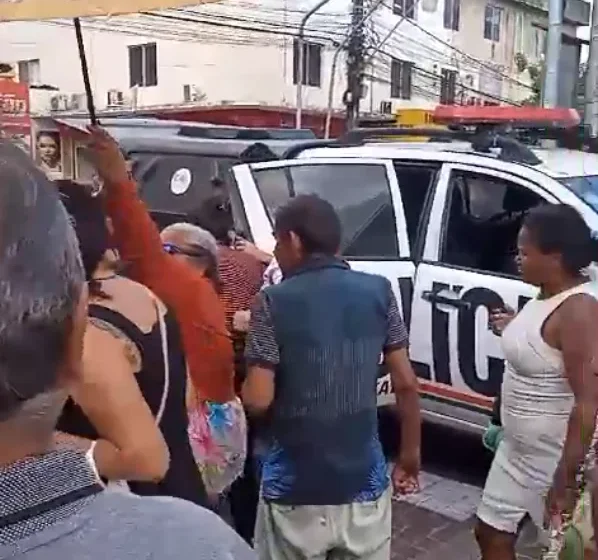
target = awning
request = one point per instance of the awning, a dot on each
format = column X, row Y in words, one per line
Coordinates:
column 75, row 125
column 19, row 10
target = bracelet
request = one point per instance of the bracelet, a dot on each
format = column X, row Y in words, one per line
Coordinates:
column 91, row 461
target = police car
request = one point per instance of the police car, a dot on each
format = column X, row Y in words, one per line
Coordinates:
column 440, row 221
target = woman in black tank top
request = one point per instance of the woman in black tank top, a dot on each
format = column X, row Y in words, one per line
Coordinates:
column 125, row 334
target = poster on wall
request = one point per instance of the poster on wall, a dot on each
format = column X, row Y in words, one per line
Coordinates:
column 49, row 153
column 15, row 113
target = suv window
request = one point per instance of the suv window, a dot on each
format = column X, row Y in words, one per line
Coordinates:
column 483, row 215
column 163, row 179
column 359, row 193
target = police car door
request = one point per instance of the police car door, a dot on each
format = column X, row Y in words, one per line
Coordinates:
column 467, row 270
column 366, row 195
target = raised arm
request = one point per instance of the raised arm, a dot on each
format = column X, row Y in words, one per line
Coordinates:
column 135, row 233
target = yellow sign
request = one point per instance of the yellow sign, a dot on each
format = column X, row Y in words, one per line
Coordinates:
column 22, row 10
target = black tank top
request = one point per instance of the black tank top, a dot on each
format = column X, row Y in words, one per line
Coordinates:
column 183, row 479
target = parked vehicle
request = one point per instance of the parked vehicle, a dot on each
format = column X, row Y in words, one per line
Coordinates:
column 438, row 218
column 176, row 162
column 440, row 221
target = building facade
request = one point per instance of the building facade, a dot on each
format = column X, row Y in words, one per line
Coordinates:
column 418, row 52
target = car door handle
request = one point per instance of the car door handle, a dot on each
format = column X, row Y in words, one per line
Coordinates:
column 436, row 297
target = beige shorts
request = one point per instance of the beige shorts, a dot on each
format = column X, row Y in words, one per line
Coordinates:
column 357, row 531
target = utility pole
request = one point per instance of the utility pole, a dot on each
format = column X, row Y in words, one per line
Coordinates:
column 591, row 82
column 553, row 53
column 301, row 61
column 355, row 64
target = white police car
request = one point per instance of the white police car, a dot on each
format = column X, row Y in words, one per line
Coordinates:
column 440, row 221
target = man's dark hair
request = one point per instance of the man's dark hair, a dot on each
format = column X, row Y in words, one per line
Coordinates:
column 313, row 220
column 256, row 153
column 215, row 215
column 41, row 279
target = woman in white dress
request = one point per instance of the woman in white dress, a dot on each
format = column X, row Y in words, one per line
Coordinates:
column 548, row 393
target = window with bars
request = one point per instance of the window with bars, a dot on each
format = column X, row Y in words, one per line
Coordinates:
column 452, row 14
column 448, row 86
column 404, row 8
column 312, row 63
column 492, row 18
column 401, row 72
column 143, row 65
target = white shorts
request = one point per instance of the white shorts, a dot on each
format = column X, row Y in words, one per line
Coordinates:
column 516, row 486
column 358, row 530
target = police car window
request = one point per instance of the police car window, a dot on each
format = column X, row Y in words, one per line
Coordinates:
column 177, row 183
column 484, row 196
column 273, row 185
column 415, row 182
column 483, row 215
column 585, row 187
column 359, row 193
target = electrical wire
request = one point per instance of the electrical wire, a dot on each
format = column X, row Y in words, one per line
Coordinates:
column 237, row 30
column 478, row 62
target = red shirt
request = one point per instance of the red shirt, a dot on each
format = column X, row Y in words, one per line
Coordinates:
column 206, row 340
column 241, row 277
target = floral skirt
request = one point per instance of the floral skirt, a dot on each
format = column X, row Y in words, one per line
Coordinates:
column 218, row 436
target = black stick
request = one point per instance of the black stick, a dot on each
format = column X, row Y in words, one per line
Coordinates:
column 85, row 70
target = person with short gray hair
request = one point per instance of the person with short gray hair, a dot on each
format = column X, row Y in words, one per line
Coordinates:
column 52, row 504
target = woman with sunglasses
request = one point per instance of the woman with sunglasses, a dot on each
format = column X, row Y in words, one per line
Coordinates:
column 131, row 400
column 173, row 266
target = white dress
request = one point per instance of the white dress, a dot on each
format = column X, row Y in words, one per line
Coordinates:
column 536, row 405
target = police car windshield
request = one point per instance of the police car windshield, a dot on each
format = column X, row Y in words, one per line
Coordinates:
column 585, row 187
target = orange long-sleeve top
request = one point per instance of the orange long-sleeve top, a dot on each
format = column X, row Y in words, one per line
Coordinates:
column 182, row 288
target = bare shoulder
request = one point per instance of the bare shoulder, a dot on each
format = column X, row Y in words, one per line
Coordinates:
column 103, row 339
column 579, row 309
column 134, row 301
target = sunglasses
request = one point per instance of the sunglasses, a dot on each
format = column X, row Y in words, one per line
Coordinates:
column 172, row 249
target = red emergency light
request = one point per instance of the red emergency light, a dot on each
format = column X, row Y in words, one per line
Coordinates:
column 559, row 117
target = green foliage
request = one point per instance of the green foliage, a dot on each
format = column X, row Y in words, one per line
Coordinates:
column 521, row 62
column 535, row 72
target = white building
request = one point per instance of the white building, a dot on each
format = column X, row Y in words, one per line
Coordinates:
column 244, row 51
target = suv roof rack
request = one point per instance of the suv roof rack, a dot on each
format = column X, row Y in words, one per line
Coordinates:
column 224, row 133
column 243, row 133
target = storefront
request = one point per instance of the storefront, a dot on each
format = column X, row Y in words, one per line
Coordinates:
column 15, row 117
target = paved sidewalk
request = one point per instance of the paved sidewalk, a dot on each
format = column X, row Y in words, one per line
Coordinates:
column 421, row 534
column 437, row 523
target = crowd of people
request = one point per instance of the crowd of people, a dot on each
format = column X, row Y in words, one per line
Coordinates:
column 179, row 393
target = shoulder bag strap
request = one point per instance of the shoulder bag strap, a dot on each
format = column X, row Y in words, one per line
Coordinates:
column 164, row 338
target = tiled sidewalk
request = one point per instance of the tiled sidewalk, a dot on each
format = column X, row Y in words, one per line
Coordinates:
column 422, row 532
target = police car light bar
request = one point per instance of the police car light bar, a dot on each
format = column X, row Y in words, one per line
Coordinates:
column 525, row 117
